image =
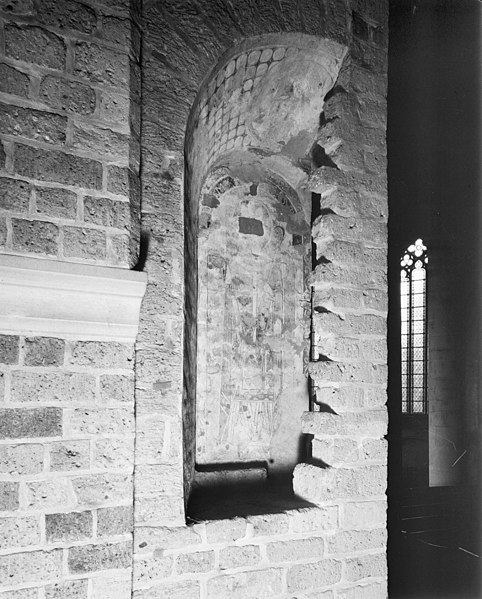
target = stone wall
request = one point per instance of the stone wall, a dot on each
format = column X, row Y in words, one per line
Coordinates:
column 186, row 45
column 69, row 124
column 66, row 453
column 69, row 191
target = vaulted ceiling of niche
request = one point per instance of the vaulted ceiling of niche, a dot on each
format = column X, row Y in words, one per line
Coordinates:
column 263, row 100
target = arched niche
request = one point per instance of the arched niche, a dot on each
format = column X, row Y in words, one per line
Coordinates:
column 247, row 250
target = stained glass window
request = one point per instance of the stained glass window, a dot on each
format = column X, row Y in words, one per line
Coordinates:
column 413, row 277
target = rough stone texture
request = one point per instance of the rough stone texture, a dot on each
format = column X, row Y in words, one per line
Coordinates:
column 114, row 521
column 102, row 211
column 71, row 96
column 75, row 589
column 8, row 496
column 32, row 567
column 73, row 15
column 44, row 351
column 74, row 70
column 90, row 558
column 33, row 124
column 9, row 345
column 73, row 526
column 56, row 202
column 56, row 166
column 70, row 455
column 19, row 532
column 21, row 459
column 15, row 195
column 53, row 387
column 13, row 81
column 41, row 422
column 101, row 65
column 35, row 236
column 101, row 355
column 84, row 243
column 34, row 45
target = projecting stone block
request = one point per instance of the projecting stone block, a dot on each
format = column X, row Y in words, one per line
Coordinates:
column 8, row 496
column 325, row 371
column 71, row 96
column 34, row 44
column 73, row 526
column 361, row 424
column 13, row 81
column 57, row 166
column 17, row 423
column 44, row 351
column 324, row 484
column 90, row 558
column 9, row 349
column 101, row 141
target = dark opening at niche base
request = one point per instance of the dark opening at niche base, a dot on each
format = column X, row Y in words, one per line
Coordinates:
column 240, row 490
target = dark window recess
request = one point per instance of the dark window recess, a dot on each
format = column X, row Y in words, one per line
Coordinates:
column 413, row 277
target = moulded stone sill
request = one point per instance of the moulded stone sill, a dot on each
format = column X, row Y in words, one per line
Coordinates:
column 58, row 299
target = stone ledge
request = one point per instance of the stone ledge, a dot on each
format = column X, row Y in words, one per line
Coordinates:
column 79, row 301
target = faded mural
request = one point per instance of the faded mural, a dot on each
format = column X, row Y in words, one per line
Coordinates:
column 251, row 337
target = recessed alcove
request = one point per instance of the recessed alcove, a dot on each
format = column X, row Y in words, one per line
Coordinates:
column 248, row 155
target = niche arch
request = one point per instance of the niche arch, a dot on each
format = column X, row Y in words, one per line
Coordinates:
column 248, row 155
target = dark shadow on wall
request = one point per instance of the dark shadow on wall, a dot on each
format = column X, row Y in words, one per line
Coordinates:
column 434, row 157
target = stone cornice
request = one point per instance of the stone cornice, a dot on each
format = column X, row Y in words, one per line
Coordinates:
column 59, row 299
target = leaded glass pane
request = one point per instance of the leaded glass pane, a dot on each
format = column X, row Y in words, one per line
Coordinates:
column 413, row 327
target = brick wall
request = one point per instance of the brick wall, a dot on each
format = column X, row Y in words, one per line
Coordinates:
column 69, row 123
column 66, row 455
